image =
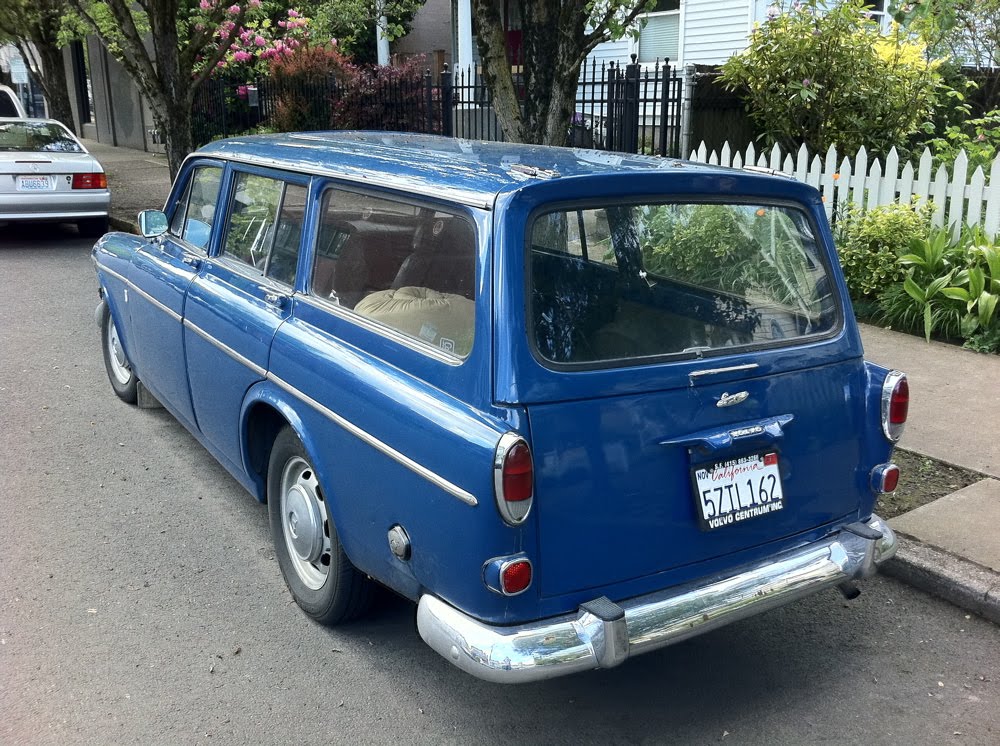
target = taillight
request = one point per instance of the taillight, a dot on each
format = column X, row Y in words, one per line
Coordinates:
column 515, row 577
column 508, row 575
column 895, row 403
column 885, row 478
column 513, row 478
column 90, row 181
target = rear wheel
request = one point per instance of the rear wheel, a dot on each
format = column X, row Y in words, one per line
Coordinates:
column 120, row 373
column 92, row 227
column 318, row 573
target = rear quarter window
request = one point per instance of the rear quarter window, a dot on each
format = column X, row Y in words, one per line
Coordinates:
column 634, row 281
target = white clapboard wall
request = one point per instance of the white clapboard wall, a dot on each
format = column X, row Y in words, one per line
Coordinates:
column 959, row 199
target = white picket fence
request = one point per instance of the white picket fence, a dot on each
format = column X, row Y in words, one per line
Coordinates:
column 958, row 199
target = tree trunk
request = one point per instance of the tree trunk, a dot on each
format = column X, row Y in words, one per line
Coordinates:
column 54, row 84
column 556, row 37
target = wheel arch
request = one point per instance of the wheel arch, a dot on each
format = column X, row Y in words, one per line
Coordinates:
column 265, row 413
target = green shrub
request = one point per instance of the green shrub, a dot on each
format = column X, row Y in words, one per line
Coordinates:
column 951, row 288
column 870, row 243
column 823, row 74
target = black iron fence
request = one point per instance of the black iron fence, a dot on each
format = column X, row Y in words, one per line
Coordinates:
column 631, row 108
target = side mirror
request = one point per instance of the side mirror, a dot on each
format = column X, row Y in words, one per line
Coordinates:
column 152, row 223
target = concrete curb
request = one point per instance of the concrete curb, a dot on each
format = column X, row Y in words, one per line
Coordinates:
column 120, row 224
column 948, row 576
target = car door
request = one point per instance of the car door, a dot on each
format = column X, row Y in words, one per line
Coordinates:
column 241, row 297
column 162, row 271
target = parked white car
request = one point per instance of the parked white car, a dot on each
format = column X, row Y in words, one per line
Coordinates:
column 46, row 175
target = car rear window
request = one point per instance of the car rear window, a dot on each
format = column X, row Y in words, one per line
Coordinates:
column 36, row 137
column 633, row 281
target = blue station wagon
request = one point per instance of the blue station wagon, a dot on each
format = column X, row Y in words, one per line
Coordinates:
column 576, row 405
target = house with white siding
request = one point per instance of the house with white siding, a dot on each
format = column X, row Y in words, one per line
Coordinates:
column 701, row 32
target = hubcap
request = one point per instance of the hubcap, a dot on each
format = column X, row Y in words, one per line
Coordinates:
column 305, row 523
column 119, row 363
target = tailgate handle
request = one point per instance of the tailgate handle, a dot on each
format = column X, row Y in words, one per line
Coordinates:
column 761, row 432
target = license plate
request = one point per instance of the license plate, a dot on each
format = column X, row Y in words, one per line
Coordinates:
column 32, row 183
column 733, row 491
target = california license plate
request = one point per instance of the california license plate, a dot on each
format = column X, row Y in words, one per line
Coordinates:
column 32, row 183
column 733, row 491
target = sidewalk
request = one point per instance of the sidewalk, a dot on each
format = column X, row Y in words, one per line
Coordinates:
column 950, row 547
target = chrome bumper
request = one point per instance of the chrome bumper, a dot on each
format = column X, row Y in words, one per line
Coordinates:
column 603, row 634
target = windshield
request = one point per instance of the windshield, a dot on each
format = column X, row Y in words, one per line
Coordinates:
column 640, row 280
column 36, row 137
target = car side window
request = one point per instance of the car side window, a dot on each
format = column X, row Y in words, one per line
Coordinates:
column 264, row 226
column 410, row 267
column 193, row 217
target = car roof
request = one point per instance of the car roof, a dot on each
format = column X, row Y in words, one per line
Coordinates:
column 470, row 171
column 14, row 101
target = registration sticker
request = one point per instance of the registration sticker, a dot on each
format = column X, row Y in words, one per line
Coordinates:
column 32, row 183
column 733, row 491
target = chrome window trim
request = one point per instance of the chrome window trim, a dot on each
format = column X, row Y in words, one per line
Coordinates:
column 225, row 348
column 384, row 330
column 470, row 199
column 419, row 469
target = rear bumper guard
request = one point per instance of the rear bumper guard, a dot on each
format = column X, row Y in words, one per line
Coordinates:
column 603, row 634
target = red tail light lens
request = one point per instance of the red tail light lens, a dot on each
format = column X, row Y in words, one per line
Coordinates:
column 513, row 478
column 885, row 478
column 895, row 404
column 90, row 181
column 515, row 577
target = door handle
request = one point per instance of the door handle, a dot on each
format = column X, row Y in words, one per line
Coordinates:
column 275, row 299
column 193, row 262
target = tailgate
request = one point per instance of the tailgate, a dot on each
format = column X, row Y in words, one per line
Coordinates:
column 616, row 485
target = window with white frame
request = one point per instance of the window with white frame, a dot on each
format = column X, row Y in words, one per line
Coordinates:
column 659, row 38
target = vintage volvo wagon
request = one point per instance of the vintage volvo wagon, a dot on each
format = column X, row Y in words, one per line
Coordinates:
column 576, row 405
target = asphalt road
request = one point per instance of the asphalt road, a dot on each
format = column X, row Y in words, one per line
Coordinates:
column 140, row 603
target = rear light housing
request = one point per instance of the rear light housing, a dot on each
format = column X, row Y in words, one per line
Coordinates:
column 508, row 576
column 885, row 478
column 895, row 403
column 90, row 181
column 513, row 479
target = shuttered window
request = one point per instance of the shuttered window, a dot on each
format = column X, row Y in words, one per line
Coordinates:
column 660, row 37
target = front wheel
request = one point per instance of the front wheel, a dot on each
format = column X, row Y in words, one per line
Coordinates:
column 318, row 573
column 120, row 373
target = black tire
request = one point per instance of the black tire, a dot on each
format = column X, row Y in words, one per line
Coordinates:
column 120, row 374
column 92, row 227
column 321, row 578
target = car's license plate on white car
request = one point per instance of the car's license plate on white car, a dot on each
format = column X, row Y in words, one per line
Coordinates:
column 733, row 491
column 32, row 183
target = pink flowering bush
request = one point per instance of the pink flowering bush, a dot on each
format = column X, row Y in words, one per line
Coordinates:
column 258, row 40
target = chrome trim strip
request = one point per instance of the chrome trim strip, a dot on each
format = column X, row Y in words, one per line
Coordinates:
column 166, row 309
column 395, row 335
column 226, row 349
column 718, row 371
column 578, row 641
column 113, row 273
column 377, row 444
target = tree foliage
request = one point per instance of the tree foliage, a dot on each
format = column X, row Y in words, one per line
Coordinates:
column 829, row 76
column 556, row 37
column 33, row 26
